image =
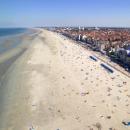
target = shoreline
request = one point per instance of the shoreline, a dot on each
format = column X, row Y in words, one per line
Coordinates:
column 13, row 47
column 6, row 64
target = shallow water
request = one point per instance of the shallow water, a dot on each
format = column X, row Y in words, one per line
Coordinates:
column 10, row 38
column 5, row 65
column 12, row 45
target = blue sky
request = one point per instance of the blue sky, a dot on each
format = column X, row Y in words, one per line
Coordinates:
column 29, row 13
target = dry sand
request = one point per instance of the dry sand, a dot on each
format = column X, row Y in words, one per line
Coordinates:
column 54, row 85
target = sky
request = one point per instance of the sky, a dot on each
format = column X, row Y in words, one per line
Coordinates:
column 31, row 13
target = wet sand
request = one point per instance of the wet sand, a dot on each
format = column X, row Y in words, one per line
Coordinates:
column 6, row 64
column 12, row 47
column 55, row 85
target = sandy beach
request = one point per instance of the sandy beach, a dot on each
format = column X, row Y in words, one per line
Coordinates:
column 54, row 85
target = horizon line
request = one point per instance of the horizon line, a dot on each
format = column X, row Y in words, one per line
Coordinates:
column 51, row 26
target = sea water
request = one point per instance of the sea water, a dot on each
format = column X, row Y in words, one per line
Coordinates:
column 11, row 31
column 9, row 38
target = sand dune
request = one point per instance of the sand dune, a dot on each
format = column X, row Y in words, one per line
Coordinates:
column 55, row 85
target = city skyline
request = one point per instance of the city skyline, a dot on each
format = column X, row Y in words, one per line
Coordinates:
column 31, row 13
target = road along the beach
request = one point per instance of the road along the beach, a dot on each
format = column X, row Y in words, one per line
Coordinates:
column 55, row 85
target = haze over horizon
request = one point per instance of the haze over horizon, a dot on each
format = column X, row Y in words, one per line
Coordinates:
column 17, row 13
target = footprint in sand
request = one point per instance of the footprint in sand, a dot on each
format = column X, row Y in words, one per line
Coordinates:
column 108, row 117
column 97, row 78
column 114, row 106
column 77, row 93
column 109, row 94
column 86, row 78
column 103, row 101
column 118, row 98
column 82, row 83
column 87, row 73
column 72, row 90
column 109, row 89
column 85, row 101
column 124, row 82
column 120, row 91
column 113, row 78
column 119, row 85
column 58, row 111
column 125, row 90
column 82, row 70
column 128, row 96
column 63, row 77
